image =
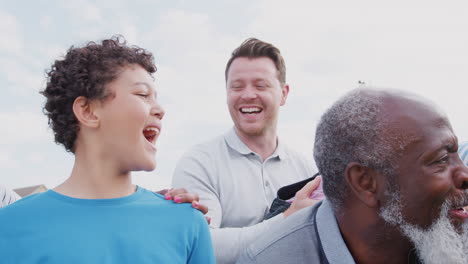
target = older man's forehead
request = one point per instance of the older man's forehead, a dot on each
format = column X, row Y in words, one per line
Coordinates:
column 409, row 119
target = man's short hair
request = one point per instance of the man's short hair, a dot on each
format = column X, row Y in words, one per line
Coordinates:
column 352, row 131
column 254, row 48
column 85, row 71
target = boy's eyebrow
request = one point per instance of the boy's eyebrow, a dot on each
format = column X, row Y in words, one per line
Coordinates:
column 143, row 83
column 148, row 86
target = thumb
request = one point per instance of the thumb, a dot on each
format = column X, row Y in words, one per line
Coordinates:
column 307, row 190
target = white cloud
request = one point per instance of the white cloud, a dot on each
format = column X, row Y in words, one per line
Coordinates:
column 85, row 11
column 23, row 127
column 8, row 161
column 418, row 46
column 11, row 41
column 22, row 80
column 328, row 47
column 45, row 22
column 34, row 158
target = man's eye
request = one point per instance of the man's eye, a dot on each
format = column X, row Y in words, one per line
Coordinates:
column 143, row 95
column 442, row 160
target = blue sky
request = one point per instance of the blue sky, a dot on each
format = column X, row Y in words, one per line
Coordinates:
column 328, row 46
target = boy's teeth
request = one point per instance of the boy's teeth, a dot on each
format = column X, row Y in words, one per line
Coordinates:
column 152, row 129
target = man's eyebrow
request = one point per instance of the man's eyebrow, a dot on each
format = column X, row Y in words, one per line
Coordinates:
column 236, row 80
column 447, row 146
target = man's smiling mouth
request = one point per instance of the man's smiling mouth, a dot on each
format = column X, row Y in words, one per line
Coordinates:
column 459, row 213
column 250, row 110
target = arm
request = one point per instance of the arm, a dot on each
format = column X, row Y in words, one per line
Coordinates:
column 238, row 239
column 246, row 258
column 229, row 243
column 202, row 249
column 195, row 171
column 7, row 196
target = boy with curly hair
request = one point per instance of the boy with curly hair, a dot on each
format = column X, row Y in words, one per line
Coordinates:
column 102, row 106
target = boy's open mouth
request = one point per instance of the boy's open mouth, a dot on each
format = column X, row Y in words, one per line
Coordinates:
column 150, row 133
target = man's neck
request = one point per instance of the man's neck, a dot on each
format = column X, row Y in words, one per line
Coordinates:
column 264, row 144
column 373, row 241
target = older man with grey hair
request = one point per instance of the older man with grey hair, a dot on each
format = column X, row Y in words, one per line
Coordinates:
column 395, row 188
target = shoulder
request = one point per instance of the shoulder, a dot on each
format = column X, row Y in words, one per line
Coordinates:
column 199, row 162
column 295, row 234
column 26, row 206
column 206, row 147
column 182, row 213
column 298, row 159
column 295, row 154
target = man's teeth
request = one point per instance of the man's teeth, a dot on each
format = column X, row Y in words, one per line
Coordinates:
column 156, row 130
column 250, row 110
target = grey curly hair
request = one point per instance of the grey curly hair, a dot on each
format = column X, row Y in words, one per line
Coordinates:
column 351, row 131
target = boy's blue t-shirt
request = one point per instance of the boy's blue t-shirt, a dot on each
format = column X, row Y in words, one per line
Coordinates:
column 140, row 228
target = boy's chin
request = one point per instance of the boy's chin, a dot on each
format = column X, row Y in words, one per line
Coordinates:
column 148, row 166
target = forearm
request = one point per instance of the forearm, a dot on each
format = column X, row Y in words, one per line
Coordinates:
column 228, row 243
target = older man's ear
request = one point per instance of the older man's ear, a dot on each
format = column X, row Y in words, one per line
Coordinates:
column 363, row 183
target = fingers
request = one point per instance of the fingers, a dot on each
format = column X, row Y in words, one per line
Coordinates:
column 200, row 207
column 307, row 190
column 162, row 192
column 183, row 198
column 175, row 192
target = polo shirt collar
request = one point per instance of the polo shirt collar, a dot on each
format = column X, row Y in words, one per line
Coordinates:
column 234, row 142
column 333, row 244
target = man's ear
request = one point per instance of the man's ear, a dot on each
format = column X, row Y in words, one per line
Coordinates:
column 362, row 181
column 84, row 111
column 284, row 94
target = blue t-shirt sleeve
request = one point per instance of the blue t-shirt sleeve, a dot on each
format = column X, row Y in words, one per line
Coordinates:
column 202, row 248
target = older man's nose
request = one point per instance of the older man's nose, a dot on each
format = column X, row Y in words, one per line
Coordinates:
column 461, row 177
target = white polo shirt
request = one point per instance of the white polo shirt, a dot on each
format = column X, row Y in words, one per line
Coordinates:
column 237, row 187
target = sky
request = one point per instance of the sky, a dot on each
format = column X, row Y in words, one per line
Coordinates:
column 328, row 46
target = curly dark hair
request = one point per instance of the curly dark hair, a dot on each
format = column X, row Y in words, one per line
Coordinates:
column 85, row 71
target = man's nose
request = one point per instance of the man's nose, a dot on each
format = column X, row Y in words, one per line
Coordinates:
column 249, row 93
column 461, row 177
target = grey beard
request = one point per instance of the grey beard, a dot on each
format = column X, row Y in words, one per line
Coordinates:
column 440, row 243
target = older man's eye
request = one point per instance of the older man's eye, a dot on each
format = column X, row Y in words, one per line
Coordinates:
column 442, row 160
column 143, row 95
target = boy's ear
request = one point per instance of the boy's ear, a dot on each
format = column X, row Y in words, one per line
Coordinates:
column 363, row 183
column 84, row 111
